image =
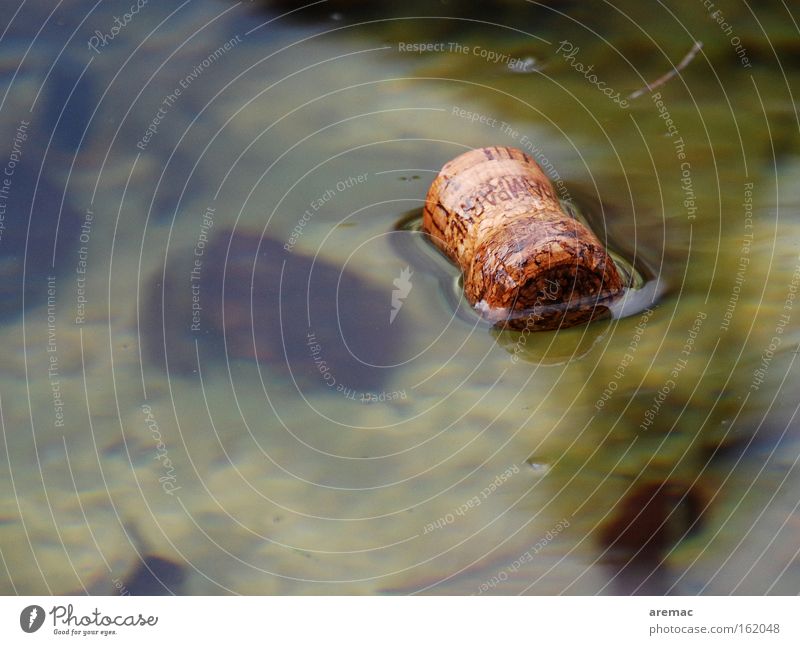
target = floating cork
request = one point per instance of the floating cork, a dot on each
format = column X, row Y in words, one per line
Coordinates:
column 525, row 262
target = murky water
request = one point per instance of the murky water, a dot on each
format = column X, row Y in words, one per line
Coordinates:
column 227, row 368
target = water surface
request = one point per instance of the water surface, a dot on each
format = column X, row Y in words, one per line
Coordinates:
column 157, row 410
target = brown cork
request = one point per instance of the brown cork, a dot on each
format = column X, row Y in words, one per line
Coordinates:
column 525, row 262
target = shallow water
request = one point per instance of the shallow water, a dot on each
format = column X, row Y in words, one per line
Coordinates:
column 155, row 415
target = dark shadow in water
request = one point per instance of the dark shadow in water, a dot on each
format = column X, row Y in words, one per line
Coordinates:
column 495, row 10
column 40, row 224
column 155, row 576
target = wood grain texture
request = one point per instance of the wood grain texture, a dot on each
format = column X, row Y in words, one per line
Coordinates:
column 525, row 262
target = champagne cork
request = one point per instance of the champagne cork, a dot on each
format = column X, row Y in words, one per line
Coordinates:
column 525, row 262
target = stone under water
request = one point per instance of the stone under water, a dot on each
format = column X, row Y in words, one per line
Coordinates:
column 247, row 297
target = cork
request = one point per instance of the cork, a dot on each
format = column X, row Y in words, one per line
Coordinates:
column 525, row 262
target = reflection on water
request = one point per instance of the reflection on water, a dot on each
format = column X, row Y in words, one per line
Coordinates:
column 170, row 395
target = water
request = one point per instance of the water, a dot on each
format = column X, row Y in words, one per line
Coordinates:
column 460, row 459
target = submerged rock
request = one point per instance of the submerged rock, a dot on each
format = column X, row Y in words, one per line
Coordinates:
column 247, row 297
column 651, row 518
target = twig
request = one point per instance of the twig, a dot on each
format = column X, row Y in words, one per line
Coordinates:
column 673, row 72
